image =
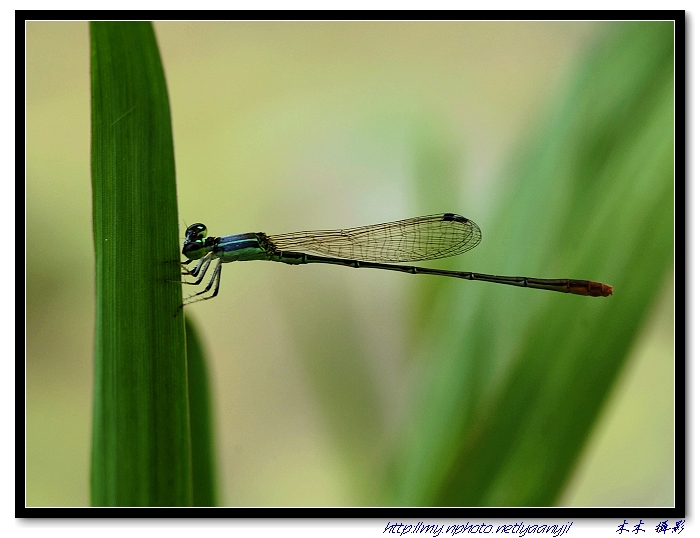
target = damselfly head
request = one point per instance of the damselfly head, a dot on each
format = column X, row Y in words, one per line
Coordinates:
column 195, row 245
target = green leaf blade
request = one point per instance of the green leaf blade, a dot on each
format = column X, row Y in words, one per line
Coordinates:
column 140, row 453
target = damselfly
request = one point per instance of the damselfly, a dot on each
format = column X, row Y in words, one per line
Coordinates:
column 410, row 240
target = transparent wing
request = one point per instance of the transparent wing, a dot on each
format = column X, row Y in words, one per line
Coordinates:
column 410, row 240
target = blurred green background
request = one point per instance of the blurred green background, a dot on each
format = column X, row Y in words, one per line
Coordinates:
column 317, row 371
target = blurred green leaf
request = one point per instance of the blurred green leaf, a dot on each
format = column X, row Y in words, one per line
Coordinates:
column 201, row 420
column 140, row 443
column 525, row 373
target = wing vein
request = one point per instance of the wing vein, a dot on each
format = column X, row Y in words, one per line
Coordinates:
column 420, row 238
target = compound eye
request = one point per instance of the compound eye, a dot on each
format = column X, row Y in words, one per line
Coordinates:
column 196, row 231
